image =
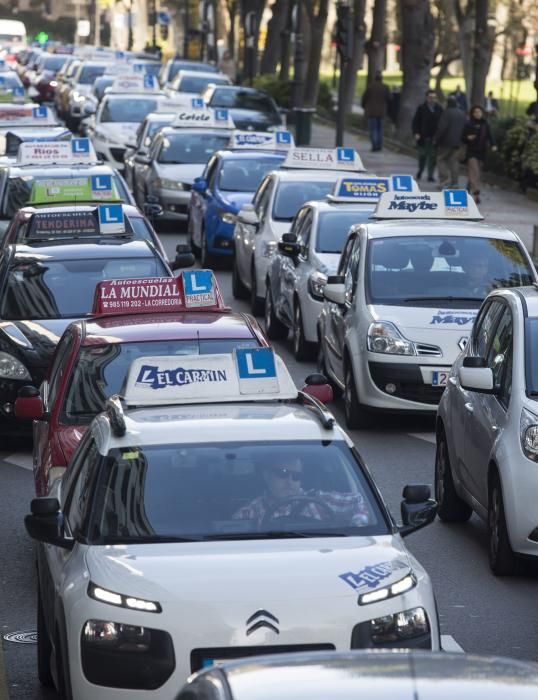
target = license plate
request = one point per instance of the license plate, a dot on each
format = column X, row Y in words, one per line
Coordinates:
column 440, row 377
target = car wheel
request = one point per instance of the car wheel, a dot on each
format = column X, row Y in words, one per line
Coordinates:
column 274, row 328
column 44, row 647
column 302, row 349
column 502, row 559
column 239, row 290
column 207, row 259
column 256, row 303
column 357, row 416
column 451, row 508
column 194, row 247
column 322, row 369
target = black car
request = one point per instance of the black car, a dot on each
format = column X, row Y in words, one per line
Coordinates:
column 172, row 67
column 43, row 287
column 251, row 109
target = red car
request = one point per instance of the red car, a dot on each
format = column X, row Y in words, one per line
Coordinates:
column 93, row 356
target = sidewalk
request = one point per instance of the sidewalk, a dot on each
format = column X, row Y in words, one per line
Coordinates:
column 498, row 206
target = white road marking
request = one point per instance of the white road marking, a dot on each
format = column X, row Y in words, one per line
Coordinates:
column 448, row 643
column 427, row 437
column 21, row 459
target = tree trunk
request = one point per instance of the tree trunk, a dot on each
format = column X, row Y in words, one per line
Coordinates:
column 417, row 59
column 318, row 22
column 250, row 51
column 232, row 14
column 359, row 37
column 465, row 20
column 483, row 47
column 375, row 46
column 275, row 29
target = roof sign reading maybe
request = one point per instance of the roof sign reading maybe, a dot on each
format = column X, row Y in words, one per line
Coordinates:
column 76, row 151
column 135, row 82
column 192, row 290
column 346, row 159
column 262, row 140
column 97, row 188
column 369, row 189
column 448, row 204
column 208, row 378
column 26, row 115
column 213, row 118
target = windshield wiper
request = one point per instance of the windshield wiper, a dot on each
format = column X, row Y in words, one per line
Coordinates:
column 274, row 535
column 443, row 299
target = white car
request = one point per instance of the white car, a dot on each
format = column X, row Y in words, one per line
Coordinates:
column 189, row 84
column 487, row 429
column 161, row 554
column 306, row 174
column 402, row 304
column 82, row 82
column 310, row 252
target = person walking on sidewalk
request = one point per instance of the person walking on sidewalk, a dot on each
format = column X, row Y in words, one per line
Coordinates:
column 375, row 102
column 424, row 125
column 448, row 141
column 478, row 139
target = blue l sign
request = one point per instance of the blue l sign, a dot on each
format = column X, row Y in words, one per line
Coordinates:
column 111, row 218
column 346, row 155
column 256, row 363
column 149, row 81
column 283, row 137
column 197, row 103
column 402, row 183
column 40, row 112
column 455, row 198
column 80, row 147
column 101, row 183
column 199, row 288
column 221, row 115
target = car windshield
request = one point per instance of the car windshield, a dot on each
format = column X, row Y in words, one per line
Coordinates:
column 427, row 270
column 125, row 109
column 89, row 73
column 242, row 175
column 243, row 99
column 290, row 196
column 37, row 290
column 192, row 83
column 190, row 148
column 18, row 189
column 101, row 370
column 152, row 129
column 235, row 490
column 100, row 86
column 8, row 81
column 333, row 227
column 54, row 63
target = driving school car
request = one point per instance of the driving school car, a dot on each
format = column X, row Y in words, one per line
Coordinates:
column 165, row 490
column 103, row 347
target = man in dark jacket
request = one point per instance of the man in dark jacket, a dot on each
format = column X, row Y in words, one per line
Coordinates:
column 448, row 141
column 375, row 101
column 424, row 125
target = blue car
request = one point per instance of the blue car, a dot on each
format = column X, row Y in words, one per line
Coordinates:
column 229, row 180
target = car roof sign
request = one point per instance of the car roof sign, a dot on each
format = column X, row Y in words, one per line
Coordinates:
column 95, row 188
column 248, row 374
column 192, row 290
column 26, row 115
column 448, row 204
column 370, row 188
column 73, row 152
column 262, row 140
column 211, row 118
column 346, row 159
column 134, row 82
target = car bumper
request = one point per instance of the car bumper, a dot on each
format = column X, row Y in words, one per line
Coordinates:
column 9, row 390
column 310, row 311
column 175, row 203
column 110, row 154
column 220, row 241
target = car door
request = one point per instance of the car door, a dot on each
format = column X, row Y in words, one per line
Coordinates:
column 485, row 414
column 130, row 162
column 143, row 170
column 211, row 206
column 240, row 231
column 199, row 200
column 249, row 232
column 284, row 285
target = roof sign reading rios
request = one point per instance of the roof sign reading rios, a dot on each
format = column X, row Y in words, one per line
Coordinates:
column 448, row 204
column 369, row 189
column 213, row 118
column 76, row 151
column 193, row 290
column 262, row 140
column 97, row 188
column 209, row 378
column 346, row 159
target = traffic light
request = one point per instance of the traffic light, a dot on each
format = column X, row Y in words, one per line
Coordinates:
column 344, row 35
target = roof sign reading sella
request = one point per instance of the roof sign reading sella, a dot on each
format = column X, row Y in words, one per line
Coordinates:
column 211, row 118
column 346, row 159
column 193, row 290
column 96, row 188
column 448, row 204
column 74, row 152
column 262, row 140
column 369, row 189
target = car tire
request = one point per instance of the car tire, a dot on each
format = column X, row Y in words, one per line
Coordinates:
column 302, row 349
column 357, row 416
column 274, row 328
column 451, row 508
column 322, row 369
column 44, row 647
column 239, row 290
column 502, row 560
column 257, row 304
column 207, row 259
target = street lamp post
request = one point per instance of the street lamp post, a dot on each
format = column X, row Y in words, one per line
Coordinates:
column 344, row 38
column 298, row 73
column 186, row 28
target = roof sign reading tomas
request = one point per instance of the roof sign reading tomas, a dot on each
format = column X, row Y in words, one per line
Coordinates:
column 369, row 189
column 209, row 378
column 448, row 204
column 346, row 159
column 262, row 140
column 97, row 188
column 76, row 151
column 212, row 118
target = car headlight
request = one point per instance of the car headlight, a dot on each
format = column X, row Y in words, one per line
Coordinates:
column 529, row 434
column 165, row 184
column 77, row 97
column 269, row 248
column 402, row 586
column 399, row 626
column 53, row 83
column 11, row 368
column 316, row 283
column 227, row 216
column 386, row 338
column 122, row 601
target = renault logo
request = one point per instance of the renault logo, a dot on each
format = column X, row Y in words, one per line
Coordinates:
column 262, row 618
column 462, row 343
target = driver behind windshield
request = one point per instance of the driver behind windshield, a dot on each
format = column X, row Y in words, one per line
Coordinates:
column 285, row 497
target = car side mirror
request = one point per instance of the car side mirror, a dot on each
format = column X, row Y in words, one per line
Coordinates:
column 474, row 375
column 184, row 257
column 89, row 109
column 417, row 508
column 153, row 210
column 247, row 214
column 142, row 160
column 29, row 403
column 199, row 185
column 335, row 289
column 46, row 523
column 316, row 385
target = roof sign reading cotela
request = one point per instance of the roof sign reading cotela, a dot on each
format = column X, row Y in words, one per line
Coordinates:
column 262, row 140
column 212, row 118
column 346, row 159
column 76, row 151
column 448, row 204
column 369, row 189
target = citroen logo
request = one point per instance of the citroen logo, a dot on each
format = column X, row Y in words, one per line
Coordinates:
column 462, row 343
column 262, row 618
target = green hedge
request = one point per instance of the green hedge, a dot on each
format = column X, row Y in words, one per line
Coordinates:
column 282, row 92
column 517, row 154
column 61, row 29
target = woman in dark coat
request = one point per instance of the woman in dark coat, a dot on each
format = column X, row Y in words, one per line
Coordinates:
column 478, row 138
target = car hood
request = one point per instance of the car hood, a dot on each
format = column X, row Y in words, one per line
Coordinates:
column 250, row 571
column 121, row 132
column 184, row 172
column 253, row 120
column 237, row 199
column 36, row 340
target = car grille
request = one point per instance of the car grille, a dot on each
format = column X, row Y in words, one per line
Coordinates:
column 118, row 154
column 405, row 381
column 428, row 350
column 200, row 657
column 422, row 393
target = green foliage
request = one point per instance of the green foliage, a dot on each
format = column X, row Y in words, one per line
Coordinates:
column 62, row 29
column 280, row 91
column 529, row 160
column 517, row 155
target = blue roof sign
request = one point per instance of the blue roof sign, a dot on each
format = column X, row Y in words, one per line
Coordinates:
column 369, row 189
